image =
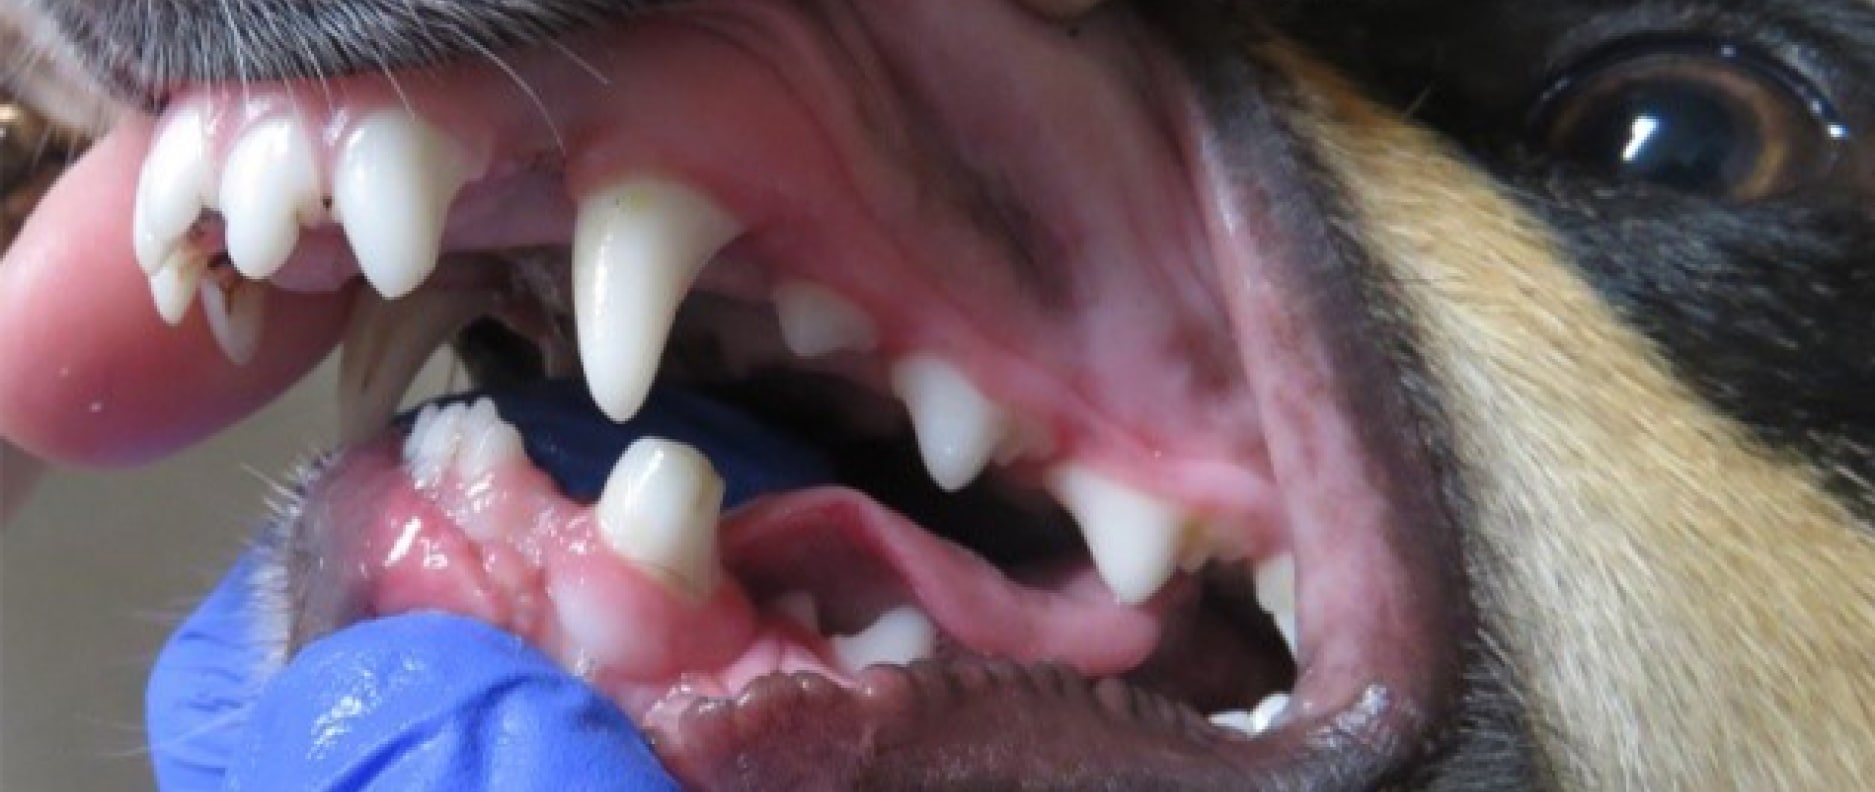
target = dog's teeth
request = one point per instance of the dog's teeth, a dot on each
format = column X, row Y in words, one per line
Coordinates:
column 659, row 509
column 815, row 321
column 1257, row 720
column 176, row 184
column 237, row 315
column 269, row 188
column 488, row 441
column 1276, row 593
column 1134, row 538
column 798, row 607
column 638, row 246
column 897, row 637
column 175, row 284
column 431, row 447
column 958, row 428
column 385, row 348
column 391, row 189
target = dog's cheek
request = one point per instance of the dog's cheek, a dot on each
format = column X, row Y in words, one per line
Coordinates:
column 1656, row 577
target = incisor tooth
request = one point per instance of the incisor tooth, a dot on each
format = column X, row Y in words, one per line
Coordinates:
column 492, row 442
column 815, row 321
column 436, row 445
column 175, row 284
column 386, row 345
column 637, row 248
column 958, row 428
column 1135, row 538
column 391, row 189
column 269, row 188
column 1257, row 720
column 660, row 508
column 1276, row 593
column 174, row 186
column 237, row 315
column 897, row 637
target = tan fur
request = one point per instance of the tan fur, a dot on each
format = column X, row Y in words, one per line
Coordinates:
column 1688, row 613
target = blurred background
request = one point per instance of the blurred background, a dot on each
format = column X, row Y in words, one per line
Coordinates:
column 97, row 568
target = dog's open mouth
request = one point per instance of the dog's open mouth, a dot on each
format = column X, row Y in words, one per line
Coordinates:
column 1031, row 472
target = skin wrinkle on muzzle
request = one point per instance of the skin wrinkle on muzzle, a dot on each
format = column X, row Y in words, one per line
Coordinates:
column 1644, row 592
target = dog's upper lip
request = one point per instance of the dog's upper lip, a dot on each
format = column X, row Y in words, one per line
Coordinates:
column 1368, row 721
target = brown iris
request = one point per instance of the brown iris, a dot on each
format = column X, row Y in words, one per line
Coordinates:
column 33, row 152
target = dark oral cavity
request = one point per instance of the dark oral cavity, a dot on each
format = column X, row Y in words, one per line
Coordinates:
column 757, row 200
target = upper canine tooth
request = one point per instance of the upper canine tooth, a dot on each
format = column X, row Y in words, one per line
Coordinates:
column 958, row 428
column 176, row 183
column 637, row 248
column 237, row 314
column 385, row 347
column 815, row 321
column 897, row 637
column 660, row 507
column 391, row 189
column 1135, row 538
column 175, row 284
column 269, row 188
column 1276, row 593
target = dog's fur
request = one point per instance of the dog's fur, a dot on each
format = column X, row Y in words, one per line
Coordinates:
column 1651, row 410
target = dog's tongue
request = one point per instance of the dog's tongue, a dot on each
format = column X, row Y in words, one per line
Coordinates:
column 88, row 373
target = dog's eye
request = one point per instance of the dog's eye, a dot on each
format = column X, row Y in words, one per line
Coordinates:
column 1713, row 119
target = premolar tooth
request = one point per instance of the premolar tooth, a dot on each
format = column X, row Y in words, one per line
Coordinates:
column 1276, row 593
column 391, row 189
column 638, row 246
column 386, row 345
column 815, row 321
column 237, row 315
column 173, row 188
column 269, row 188
column 897, row 637
column 958, row 428
column 660, row 508
column 1135, row 538
column 174, row 286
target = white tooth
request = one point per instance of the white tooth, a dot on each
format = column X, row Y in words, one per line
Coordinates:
column 1276, row 592
column 1257, row 720
column 899, row 636
column 391, row 189
column 815, row 321
column 174, row 285
column 419, row 429
column 237, row 315
column 1135, row 538
column 798, row 607
column 660, row 508
column 269, row 188
column 386, row 345
column 638, row 246
column 436, row 448
column 958, row 428
column 492, row 443
column 176, row 184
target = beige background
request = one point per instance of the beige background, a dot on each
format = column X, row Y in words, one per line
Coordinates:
column 95, row 569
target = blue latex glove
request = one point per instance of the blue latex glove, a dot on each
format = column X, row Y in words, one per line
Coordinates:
column 413, row 702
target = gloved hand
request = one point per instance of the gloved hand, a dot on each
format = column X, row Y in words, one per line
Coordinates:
column 416, row 702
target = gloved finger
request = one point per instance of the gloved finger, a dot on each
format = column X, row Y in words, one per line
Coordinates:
column 204, row 682
column 430, row 701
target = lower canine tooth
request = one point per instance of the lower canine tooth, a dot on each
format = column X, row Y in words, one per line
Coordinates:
column 815, row 321
column 1135, row 538
column 1276, row 593
column 269, row 188
column 958, row 428
column 174, row 286
column 660, row 508
column 237, row 315
column 391, row 189
column 385, row 347
column 637, row 248
column 897, row 637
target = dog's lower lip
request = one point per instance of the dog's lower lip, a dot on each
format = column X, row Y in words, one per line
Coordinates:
column 1397, row 701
